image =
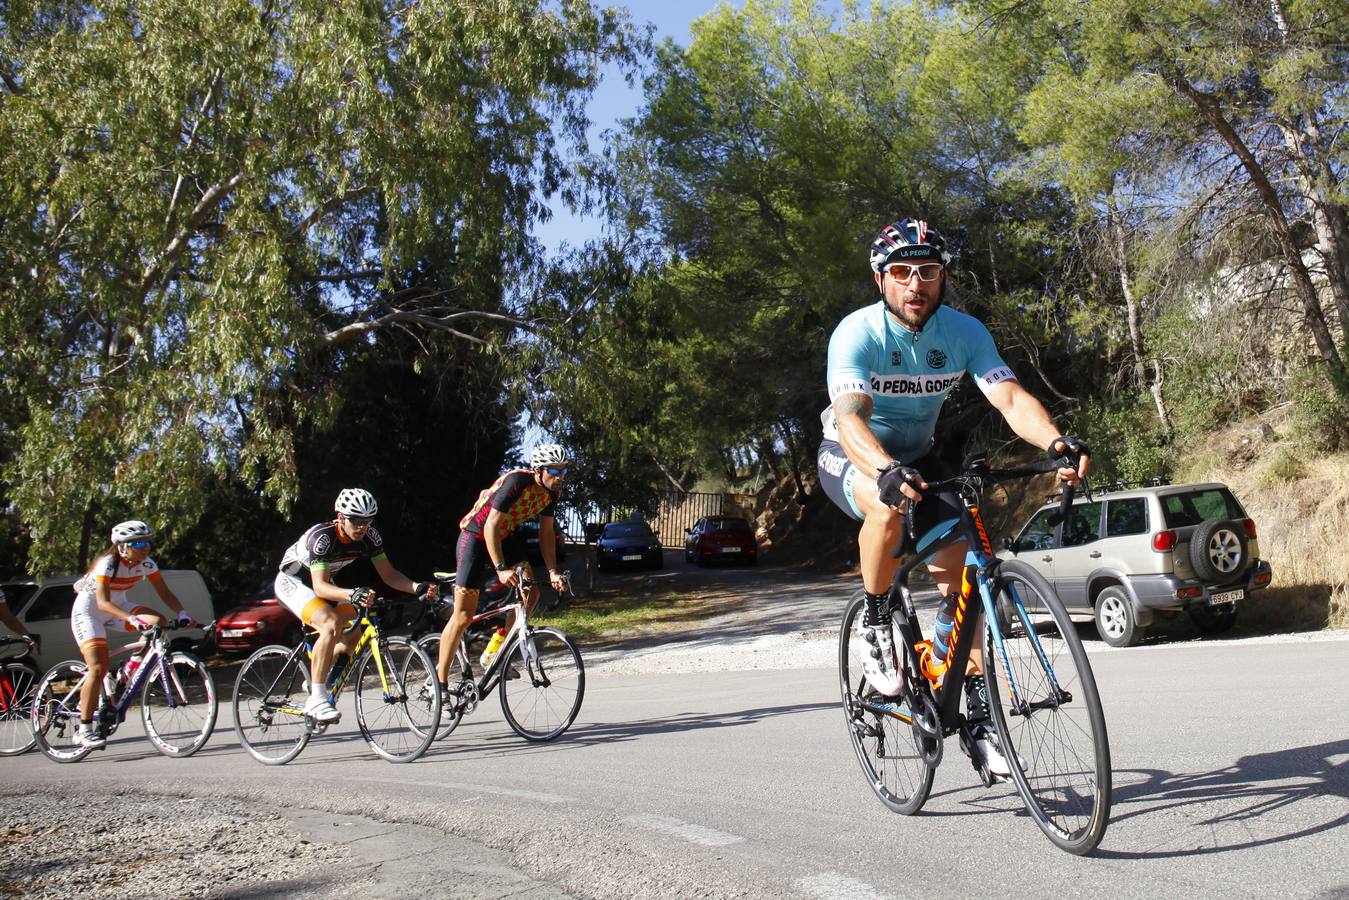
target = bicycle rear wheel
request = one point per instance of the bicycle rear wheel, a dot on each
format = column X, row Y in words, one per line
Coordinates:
column 1044, row 702
column 269, row 698
column 178, row 705
column 56, row 712
column 888, row 745
column 399, row 712
column 452, row 714
column 542, row 685
column 18, row 687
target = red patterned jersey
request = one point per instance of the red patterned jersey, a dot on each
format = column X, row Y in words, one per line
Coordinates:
column 518, row 496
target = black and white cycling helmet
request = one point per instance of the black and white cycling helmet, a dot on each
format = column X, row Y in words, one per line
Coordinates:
column 908, row 240
column 356, row 502
column 548, row 455
column 133, row 530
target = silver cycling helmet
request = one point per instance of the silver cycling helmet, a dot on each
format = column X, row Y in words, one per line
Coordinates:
column 356, row 502
column 548, row 455
column 132, row 530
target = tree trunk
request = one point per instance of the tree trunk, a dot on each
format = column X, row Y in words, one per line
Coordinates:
column 1141, row 375
column 87, row 534
column 1312, row 314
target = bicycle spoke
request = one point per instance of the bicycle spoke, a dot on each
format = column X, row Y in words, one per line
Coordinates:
column 1044, row 702
column 888, row 748
column 56, row 712
column 269, row 699
column 542, row 685
column 178, row 706
column 18, row 687
column 399, row 710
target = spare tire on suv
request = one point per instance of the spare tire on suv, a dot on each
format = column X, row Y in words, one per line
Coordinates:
column 1218, row 550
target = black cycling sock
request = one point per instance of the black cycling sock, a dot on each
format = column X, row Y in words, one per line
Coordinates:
column 976, row 698
column 86, row 723
column 876, row 613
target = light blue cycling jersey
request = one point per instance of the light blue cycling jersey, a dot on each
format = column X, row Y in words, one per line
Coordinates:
column 907, row 374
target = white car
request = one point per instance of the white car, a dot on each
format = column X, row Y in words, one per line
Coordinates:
column 44, row 607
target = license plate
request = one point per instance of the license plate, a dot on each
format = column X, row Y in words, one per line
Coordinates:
column 730, row 549
column 632, row 557
column 232, row 632
column 1225, row 598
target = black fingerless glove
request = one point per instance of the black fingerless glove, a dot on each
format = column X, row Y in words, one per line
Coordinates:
column 892, row 479
column 1074, row 448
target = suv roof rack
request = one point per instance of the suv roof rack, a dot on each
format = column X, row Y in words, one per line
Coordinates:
column 1111, row 487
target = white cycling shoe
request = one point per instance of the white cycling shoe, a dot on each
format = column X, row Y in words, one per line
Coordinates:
column 878, row 659
column 987, row 742
column 321, row 710
column 92, row 740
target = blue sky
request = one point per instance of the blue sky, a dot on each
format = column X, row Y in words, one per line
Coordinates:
column 614, row 100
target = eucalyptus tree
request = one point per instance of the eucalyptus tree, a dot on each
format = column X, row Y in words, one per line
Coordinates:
column 207, row 207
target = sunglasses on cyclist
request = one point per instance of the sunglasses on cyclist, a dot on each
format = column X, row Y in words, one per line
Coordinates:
column 358, row 521
column 903, row 272
column 140, row 545
column 556, row 471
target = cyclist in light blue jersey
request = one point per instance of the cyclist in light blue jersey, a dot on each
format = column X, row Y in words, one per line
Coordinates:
column 891, row 366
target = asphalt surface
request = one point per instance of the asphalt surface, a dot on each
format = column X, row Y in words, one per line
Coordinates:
column 700, row 767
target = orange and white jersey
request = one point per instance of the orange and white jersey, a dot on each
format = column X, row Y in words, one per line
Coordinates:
column 117, row 574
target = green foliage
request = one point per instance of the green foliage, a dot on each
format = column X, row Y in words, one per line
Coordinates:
column 207, row 210
column 1321, row 420
column 1126, row 441
column 1286, row 466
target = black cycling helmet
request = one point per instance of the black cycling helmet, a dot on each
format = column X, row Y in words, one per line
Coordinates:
column 908, row 240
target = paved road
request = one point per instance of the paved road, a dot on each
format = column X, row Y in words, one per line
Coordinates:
column 1231, row 780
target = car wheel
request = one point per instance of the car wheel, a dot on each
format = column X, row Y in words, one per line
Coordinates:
column 1218, row 549
column 1115, row 620
column 1213, row 620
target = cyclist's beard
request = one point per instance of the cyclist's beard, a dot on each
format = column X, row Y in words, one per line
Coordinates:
column 910, row 320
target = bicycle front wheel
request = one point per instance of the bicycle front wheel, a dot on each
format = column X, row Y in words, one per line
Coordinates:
column 887, row 742
column 542, row 685
column 18, row 687
column 458, row 680
column 398, row 710
column 269, row 698
column 56, row 712
column 1044, row 702
column 178, row 705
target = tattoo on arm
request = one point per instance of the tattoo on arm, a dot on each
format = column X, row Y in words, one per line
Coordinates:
column 853, row 405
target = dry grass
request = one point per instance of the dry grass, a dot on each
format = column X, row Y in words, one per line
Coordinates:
column 1302, row 516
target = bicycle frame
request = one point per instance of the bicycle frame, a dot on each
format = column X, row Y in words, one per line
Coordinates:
column 517, row 633
column 944, row 685
column 370, row 637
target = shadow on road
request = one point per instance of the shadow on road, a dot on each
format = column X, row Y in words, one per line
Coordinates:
column 1248, row 791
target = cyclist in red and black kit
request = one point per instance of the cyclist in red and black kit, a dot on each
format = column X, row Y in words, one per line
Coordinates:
column 485, row 543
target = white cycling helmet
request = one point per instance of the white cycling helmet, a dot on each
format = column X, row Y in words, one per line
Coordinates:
column 133, row 530
column 356, row 502
column 548, row 455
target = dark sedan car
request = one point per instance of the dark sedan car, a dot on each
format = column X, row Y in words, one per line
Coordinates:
column 628, row 544
column 528, row 534
column 719, row 539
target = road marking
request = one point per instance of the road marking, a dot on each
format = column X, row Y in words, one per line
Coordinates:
column 694, row 834
column 536, row 796
column 833, row 886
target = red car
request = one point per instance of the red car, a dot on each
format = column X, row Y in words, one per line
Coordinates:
column 256, row 622
column 720, row 539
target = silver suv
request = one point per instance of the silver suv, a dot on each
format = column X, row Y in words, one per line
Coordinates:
column 1136, row 550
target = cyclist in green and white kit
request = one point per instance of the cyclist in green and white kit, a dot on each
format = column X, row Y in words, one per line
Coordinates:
column 891, row 366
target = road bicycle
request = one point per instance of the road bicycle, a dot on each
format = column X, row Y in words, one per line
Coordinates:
column 538, row 671
column 1045, row 709
column 175, row 688
column 18, row 685
column 397, row 704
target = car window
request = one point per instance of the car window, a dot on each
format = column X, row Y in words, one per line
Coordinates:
column 53, row 603
column 626, row 530
column 1126, row 516
column 727, row 525
column 17, row 594
column 1083, row 525
column 1038, row 533
column 1193, row 507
